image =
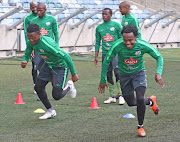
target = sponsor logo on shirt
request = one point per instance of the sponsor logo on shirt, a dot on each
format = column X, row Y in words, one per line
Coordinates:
column 138, row 53
column 112, row 29
column 44, row 57
column 131, row 61
column 108, row 38
column 47, row 23
column 126, row 23
column 44, row 32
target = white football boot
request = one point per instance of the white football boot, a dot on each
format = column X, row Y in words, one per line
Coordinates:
column 48, row 114
column 110, row 100
column 72, row 90
column 121, row 100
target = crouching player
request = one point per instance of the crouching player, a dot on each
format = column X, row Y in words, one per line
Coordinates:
column 56, row 65
column 130, row 52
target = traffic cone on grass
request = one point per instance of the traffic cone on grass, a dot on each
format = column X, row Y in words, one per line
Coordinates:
column 19, row 99
column 94, row 104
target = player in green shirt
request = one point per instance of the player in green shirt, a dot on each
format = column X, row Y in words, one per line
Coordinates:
column 37, row 61
column 47, row 23
column 108, row 33
column 129, row 18
column 55, row 66
column 130, row 50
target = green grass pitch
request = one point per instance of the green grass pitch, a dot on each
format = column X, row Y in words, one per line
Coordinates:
column 75, row 122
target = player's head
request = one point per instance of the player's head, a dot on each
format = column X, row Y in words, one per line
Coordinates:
column 33, row 33
column 41, row 10
column 106, row 14
column 129, row 34
column 124, row 8
column 33, row 7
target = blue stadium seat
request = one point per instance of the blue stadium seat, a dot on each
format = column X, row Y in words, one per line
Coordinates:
column 89, row 21
column 80, row 16
column 76, row 20
column 5, row 4
column 61, row 16
column 26, row 5
column 146, row 12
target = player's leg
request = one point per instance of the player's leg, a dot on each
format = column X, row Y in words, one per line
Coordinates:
column 44, row 77
column 59, row 88
column 34, row 74
column 117, row 75
column 110, row 83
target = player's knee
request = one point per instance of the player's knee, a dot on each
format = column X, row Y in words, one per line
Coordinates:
column 56, row 93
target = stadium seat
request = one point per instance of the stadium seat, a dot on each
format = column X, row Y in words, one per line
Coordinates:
column 61, row 16
column 146, row 12
column 89, row 21
column 76, row 20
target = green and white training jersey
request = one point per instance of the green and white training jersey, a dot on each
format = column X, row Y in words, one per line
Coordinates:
column 130, row 19
column 107, row 33
column 131, row 60
column 48, row 26
column 27, row 21
column 49, row 50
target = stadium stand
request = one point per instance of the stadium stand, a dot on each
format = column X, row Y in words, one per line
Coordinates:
column 76, row 12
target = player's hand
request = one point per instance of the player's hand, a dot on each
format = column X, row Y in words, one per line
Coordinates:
column 32, row 54
column 101, row 88
column 96, row 61
column 159, row 80
column 23, row 64
column 75, row 77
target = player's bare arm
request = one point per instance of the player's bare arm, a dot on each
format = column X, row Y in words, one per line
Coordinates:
column 159, row 80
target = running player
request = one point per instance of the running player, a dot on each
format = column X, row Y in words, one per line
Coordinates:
column 56, row 65
column 130, row 50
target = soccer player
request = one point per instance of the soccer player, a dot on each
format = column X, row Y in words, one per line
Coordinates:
column 107, row 33
column 128, row 18
column 37, row 61
column 56, row 65
column 47, row 23
column 130, row 50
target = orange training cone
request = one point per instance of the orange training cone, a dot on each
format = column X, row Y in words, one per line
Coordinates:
column 19, row 99
column 94, row 104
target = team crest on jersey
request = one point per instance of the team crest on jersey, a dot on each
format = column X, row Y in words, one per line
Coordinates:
column 138, row 53
column 112, row 29
column 41, row 50
column 131, row 61
column 108, row 44
column 126, row 23
column 47, row 23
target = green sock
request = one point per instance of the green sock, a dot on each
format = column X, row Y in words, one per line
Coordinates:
column 119, row 87
column 111, row 89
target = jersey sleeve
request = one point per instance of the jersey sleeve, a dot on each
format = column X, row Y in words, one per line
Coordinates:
column 53, row 47
column 119, row 29
column 109, row 56
column 26, row 23
column 156, row 55
column 28, row 52
column 98, row 39
column 55, row 31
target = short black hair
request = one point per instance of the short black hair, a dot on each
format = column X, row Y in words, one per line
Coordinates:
column 130, row 29
column 33, row 28
column 110, row 10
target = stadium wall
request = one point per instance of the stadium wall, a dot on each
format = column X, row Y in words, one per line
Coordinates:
column 86, row 40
